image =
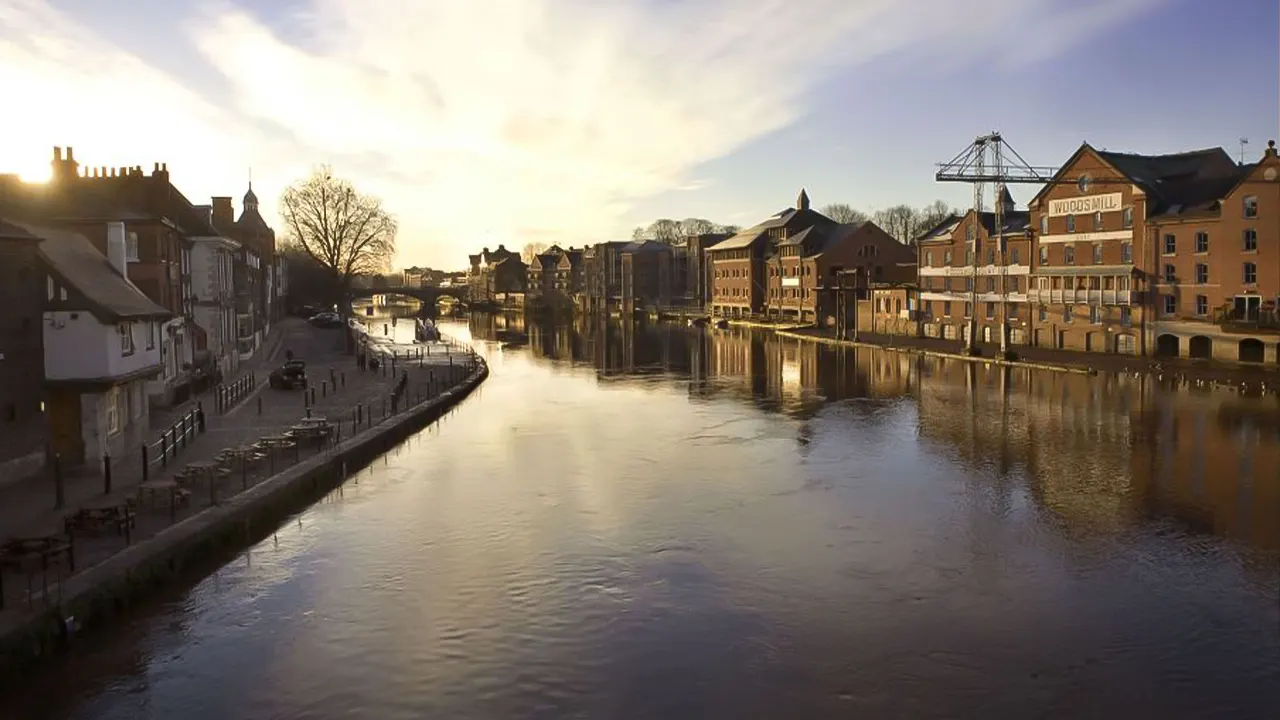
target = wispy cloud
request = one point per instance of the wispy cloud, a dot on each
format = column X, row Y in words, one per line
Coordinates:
column 694, row 185
column 511, row 118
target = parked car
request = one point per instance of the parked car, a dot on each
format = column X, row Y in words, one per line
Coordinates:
column 326, row 320
column 292, row 374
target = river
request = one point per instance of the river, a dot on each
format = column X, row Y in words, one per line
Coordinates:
column 664, row 522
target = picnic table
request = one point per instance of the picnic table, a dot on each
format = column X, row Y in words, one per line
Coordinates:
column 116, row 515
column 27, row 555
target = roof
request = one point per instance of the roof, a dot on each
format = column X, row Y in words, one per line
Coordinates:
column 744, row 239
column 73, row 258
column 10, row 231
column 946, row 227
column 1014, row 223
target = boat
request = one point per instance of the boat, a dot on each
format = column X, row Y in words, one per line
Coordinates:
column 722, row 324
column 698, row 322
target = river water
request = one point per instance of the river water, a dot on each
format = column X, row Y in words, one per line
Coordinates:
column 663, row 522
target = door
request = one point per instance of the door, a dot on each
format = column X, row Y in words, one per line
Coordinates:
column 64, row 426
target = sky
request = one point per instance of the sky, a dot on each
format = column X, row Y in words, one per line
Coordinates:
column 487, row 122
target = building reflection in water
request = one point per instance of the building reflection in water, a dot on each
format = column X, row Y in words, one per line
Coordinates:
column 1103, row 453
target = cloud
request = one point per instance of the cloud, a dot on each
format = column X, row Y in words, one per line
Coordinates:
column 483, row 119
column 694, row 185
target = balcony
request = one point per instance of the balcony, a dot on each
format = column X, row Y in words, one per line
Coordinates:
column 1248, row 319
column 1082, row 297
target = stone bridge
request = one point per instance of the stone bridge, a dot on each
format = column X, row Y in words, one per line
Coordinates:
column 428, row 295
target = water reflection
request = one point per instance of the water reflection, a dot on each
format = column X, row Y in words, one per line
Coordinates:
column 659, row 521
column 1104, row 453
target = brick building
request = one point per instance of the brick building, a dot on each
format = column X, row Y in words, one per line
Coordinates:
column 23, row 426
column 258, row 270
column 496, row 275
column 1141, row 254
column 965, row 265
column 739, row 264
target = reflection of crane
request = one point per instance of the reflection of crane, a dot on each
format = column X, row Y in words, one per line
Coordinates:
column 990, row 159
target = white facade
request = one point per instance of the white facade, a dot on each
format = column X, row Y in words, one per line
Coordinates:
column 212, row 276
column 77, row 346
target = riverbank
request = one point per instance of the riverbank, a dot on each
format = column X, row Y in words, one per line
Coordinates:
column 91, row 597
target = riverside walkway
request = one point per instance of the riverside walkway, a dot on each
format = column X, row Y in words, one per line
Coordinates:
column 348, row 397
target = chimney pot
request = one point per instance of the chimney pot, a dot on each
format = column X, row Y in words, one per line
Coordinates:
column 57, row 153
column 71, row 153
column 156, row 168
column 164, row 167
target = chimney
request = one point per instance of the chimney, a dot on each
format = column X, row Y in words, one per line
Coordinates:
column 206, row 212
column 223, row 214
column 64, row 167
column 57, row 154
column 116, row 249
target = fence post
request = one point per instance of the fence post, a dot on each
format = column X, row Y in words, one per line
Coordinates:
column 184, row 432
column 200, row 415
column 164, row 449
column 344, row 378
column 146, row 466
column 259, row 404
column 106, row 473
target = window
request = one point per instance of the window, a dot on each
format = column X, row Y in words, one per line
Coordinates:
column 946, row 258
column 991, row 310
column 1044, row 255
column 111, row 403
column 1126, row 218
column 1097, row 254
column 1122, row 283
column 1013, row 256
column 131, row 247
column 1069, row 255
column 1126, row 252
column 151, row 335
column 968, row 309
column 1126, row 316
column 1250, row 240
column 1250, row 274
column 928, row 259
column 1170, row 304
column 1013, row 311
column 1170, row 273
column 1066, row 313
column 969, row 232
column 991, row 256
column 1097, row 221
column 968, row 257
column 1071, row 223
column 1251, row 206
column 1170, row 244
column 968, row 284
column 1202, row 273
column 946, row 308
column 1093, row 314
column 1013, row 283
column 1202, row 242
column 126, row 338
column 1044, row 313
column 1044, row 224
column 1202, row 305
column 991, row 283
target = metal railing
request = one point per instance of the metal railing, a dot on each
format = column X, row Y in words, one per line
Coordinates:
column 228, row 395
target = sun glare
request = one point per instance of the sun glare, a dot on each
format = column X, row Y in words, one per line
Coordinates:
column 36, row 174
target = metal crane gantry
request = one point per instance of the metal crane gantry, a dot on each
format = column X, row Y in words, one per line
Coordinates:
column 989, row 159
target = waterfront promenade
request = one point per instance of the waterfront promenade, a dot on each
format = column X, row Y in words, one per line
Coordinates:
column 349, row 398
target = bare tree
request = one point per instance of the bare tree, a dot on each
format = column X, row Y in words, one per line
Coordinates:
column 640, row 233
column 900, row 221
column 844, row 213
column 930, row 216
column 729, row 229
column 690, row 227
column 532, row 250
column 664, row 231
column 345, row 232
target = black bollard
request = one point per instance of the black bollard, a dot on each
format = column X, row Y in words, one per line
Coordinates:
column 200, row 415
column 146, row 466
column 59, row 485
column 106, row 473
column 259, row 404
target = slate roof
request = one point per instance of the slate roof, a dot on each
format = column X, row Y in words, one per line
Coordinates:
column 744, row 239
column 74, row 259
column 1180, row 183
column 1016, row 222
column 945, row 227
column 10, row 231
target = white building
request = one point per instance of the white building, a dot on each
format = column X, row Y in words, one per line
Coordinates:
column 101, row 346
column 212, row 273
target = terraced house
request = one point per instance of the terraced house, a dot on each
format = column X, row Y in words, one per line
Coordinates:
column 973, row 279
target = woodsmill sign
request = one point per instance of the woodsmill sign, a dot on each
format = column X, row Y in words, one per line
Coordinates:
column 1087, row 205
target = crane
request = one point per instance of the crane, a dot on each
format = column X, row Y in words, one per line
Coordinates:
column 989, row 159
